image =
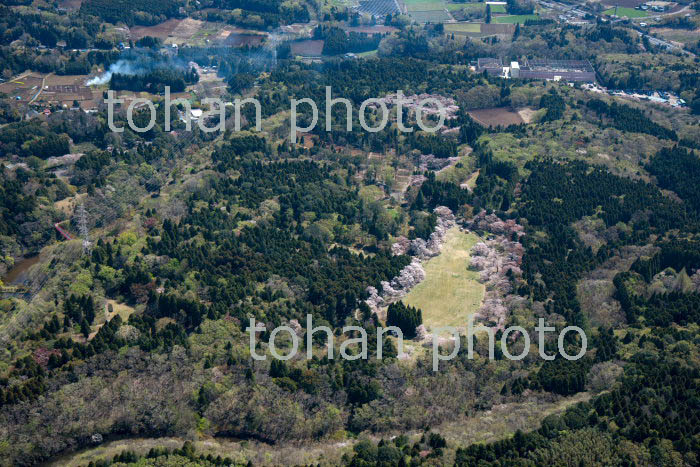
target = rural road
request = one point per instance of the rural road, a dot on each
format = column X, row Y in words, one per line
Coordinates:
column 41, row 88
column 654, row 40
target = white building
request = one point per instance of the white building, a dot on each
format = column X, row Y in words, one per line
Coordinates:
column 514, row 70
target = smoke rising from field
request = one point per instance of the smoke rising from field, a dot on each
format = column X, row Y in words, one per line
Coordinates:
column 122, row 66
column 136, row 63
column 142, row 61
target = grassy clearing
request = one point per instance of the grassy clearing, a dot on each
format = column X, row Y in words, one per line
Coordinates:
column 371, row 193
column 471, row 182
column 369, row 53
column 124, row 311
column 513, row 19
column 457, row 174
column 450, row 291
column 463, row 27
column 498, row 8
column 629, row 12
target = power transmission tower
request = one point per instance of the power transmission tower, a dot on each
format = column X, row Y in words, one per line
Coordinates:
column 83, row 228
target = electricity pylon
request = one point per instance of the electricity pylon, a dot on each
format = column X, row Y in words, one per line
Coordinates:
column 83, row 228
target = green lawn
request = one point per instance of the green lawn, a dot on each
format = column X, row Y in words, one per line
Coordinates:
column 463, row 27
column 498, row 8
column 450, row 292
column 514, row 19
column 629, row 12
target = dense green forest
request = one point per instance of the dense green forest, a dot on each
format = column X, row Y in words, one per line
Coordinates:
column 155, row 80
column 142, row 12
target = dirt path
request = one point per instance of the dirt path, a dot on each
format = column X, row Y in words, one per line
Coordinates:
column 41, row 88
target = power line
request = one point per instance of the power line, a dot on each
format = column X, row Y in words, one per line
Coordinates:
column 83, row 228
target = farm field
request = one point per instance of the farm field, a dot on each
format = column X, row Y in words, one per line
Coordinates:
column 63, row 90
column 681, row 36
column 161, row 31
column 60, row 90
column 196, row 32
column 377, row 29
column 496, row 116
column 450, row 292
column 427, row 11
column 435, row 4
column 625, row 3
column 496, row 28
column 513, row 19
column 463, row 27
column 425, row 6
column 432, row 16
column 478, row 29
column 307, row 47
column 465, row 6
column 378, row 8
column 23, row 88
column 629, row 12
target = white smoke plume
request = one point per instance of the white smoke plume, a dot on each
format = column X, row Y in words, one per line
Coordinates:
column 136, row 62
column 124, row 67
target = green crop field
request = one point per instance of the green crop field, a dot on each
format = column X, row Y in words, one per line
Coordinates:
column 629, row 12
column 514, row 19
column 450, row 292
